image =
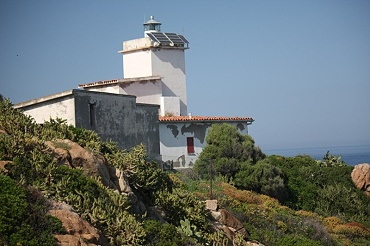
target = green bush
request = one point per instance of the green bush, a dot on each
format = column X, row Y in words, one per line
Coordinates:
column 23, row 216
column 161, row 234
column 263, row 178
column 293, row 240
column 327, row 190
column 227, row 148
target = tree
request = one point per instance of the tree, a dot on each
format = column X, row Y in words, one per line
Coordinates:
column 228, row 148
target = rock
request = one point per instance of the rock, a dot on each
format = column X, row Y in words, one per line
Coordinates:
column 79, row 232
column 361, row 177
column 233, row 224
column 253, row 243
column 3, row 164
column 216, row 215
column 211, row 205
column 123, row 183
column 67, row 152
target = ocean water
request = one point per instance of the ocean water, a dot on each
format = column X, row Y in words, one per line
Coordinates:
column 352, row 155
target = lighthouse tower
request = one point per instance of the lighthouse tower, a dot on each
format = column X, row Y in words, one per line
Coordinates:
column 154, row 69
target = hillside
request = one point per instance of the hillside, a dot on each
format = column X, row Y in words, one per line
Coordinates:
column 55, row 177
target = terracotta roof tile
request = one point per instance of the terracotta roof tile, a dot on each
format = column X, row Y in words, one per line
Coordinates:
column 202, row 118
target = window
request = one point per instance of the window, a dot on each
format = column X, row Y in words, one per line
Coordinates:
column 92, row 114
column 190, row 144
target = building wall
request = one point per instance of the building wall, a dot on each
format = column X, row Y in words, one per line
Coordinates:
column 173, row 137
column 107, row 89
column 147, row 129
column 118, row 118
column 167, row 62
column 170, row 106
column 137, row 64
column 145, row 91
column 170, row 64
column 112, row 116
column 53, row 106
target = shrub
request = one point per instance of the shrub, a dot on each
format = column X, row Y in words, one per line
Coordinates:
column 293, row 240
column 263, row 178
column 161, row 234
column 352, row 231
column 332, row 222
column 23, row 216
column 228, row 148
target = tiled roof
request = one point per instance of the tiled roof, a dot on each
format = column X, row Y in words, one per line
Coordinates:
column 202, row 118
column 119, row 81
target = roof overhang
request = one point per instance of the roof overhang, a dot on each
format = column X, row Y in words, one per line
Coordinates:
column 120, row 81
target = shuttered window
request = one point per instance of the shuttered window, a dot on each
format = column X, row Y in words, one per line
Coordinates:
column 190, row 144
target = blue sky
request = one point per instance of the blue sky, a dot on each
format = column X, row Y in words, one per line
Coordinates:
column 301, row 69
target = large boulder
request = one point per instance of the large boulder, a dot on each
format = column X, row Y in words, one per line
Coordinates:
column 78, row 231
column 67, row 152
column 361, row 177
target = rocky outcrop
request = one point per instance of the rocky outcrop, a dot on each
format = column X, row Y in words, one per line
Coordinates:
column 361, row 177
column 233, row 224
column 67, row 152
column 78, row 231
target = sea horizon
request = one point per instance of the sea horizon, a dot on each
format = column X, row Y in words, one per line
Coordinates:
column 351, row 154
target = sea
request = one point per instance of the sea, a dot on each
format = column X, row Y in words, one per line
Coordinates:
column 352, row 155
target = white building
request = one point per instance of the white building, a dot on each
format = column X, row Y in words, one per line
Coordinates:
column 154, row 73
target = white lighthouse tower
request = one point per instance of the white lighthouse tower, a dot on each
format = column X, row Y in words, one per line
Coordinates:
column 153, row 71
column 157, row 64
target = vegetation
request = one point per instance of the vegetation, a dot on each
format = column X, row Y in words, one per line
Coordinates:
column 22, row 209
column 279, row 200
column 31, row 168
column 271, row 223
column 228, row 149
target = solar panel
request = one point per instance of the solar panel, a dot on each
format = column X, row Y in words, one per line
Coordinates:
column 167, row 38
column 174, row 38
column 151, row 36
column 162, row 39
column 183, row 39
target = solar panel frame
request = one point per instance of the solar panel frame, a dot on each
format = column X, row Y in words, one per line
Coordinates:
column 183, row 39
column 162, row 39
column 152, row 37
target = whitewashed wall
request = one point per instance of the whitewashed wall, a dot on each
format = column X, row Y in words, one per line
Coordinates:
column 62, row 108
column 107, row 89
column 141, row 59
column 145, row 92
column 170, row 64
column 137, row 63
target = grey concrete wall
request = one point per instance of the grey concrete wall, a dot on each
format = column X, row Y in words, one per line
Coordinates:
column 118, row 118
column 147, row 128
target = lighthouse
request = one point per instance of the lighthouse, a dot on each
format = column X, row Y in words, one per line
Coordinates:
column 154, row 68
